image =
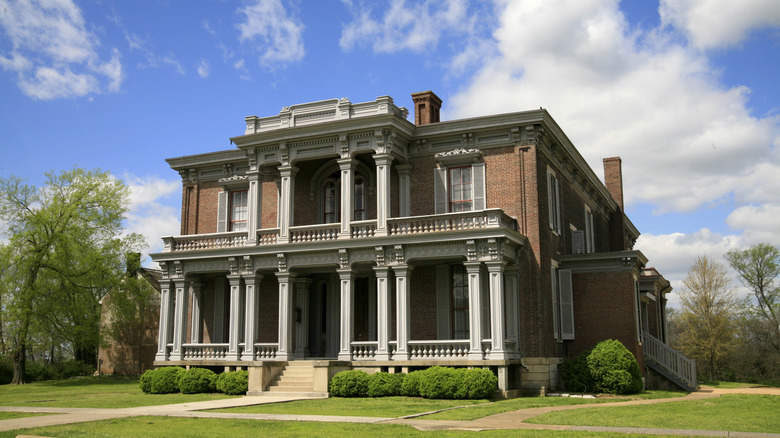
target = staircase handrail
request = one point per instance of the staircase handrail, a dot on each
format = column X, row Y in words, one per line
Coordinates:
column 671, row 359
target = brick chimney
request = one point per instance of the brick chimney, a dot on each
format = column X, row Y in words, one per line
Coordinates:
column 426, row 107
column 613, row 178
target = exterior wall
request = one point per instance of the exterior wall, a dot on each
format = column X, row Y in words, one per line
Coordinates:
column 423, row 303
column 270, row 200
column 133, row 351
column 421, row 182
column 207, row 203
column 604, row 308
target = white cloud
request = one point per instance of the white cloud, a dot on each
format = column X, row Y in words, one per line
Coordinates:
column 204, row 68
column 154, row 210
column 53, row 53
column 710, row 24
column 280, row 34
column 417, row 26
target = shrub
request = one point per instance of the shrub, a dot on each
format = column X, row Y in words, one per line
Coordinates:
column 614, row 369
column 233, row 383
column 353, row 383
column 146, row 381
column 576, row 375
column 197, row 380
column 478, row 383
column 166, row 380
column 410, row 387
column 384, row 384
column 440, row 382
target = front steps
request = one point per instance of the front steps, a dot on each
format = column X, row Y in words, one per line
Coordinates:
column 296, row 378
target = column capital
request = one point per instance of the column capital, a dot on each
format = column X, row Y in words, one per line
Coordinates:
column 403, row 270
column 346, row 163
column 382, row 271
column 383, row 158
column 234, row 278
column 286, row 276
column 345, row 274
column 288, row 170
column 496, row 265
column 472, row 267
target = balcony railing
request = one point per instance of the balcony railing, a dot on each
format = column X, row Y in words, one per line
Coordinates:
column 404, row 226
column 205, row 351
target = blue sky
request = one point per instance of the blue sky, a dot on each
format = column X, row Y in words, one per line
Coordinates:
column 684, row 91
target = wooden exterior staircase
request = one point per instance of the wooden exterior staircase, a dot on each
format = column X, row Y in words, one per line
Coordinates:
column 669, row 363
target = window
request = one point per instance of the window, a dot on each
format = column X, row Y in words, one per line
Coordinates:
column 238, row 210
column 459, row 188
column 459, row 287
column 330, row 202
column 590, row 241
column 360, row 199
column 554, row 201
column 563, row 304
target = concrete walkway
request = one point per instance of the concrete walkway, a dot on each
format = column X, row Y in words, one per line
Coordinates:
column 506, row 420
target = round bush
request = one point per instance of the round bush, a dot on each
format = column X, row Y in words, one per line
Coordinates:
column 477, row 383
column 410, row 387
column 146, row 381
column 384, row 384
column 440, row 382
column 353, row 383
column 614, row 368
column 233, row 383
column 166, row 380
column 576, row 375
column 197, row 380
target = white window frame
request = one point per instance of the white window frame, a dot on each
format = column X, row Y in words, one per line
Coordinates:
column 442, row 187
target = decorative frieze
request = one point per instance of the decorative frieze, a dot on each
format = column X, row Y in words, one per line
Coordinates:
column 247, row 265
column 178, row 269
column 281, row 259
column 233, row 265
column 343, row 258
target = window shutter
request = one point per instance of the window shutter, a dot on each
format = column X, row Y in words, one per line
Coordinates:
column 443, row 330
column 577, row 242
column 222, row 207
column 550, row 207
column 440, row 190
column 555, row 308
column 479, row 186
column 567, row 305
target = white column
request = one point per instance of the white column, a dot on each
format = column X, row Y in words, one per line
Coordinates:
column 302, row 286
column 251, row 292
column 497, row 320
column 234, row 331
column 475, row 310
column 166, row 320
column 284, row 351
column 286, row 196
column 347, row 289
column 346, row 167
column 512, row 305
column 196, row 329
column 402, row 311
column 382, row 192
column 254, row 201
column 180, row 319
column 404, row 190
column 383, row 312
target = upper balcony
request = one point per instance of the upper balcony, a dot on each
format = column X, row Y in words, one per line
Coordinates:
column 428, row 225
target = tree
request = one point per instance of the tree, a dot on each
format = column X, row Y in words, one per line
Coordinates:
column 64, row 252
column 758, row 268
column 708, row 315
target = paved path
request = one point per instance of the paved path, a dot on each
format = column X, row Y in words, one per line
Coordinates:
column 506, row 420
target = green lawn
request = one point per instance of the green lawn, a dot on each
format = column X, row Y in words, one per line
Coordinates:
column 11, row 415
column 87, row 393
column 207, row 427
column 732, row 412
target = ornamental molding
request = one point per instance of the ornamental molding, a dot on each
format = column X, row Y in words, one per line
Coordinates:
column 343, row 258
column 281, row 259
column 178, row 269
column 233, row 179
column 457, row 152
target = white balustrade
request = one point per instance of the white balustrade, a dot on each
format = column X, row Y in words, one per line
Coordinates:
column 365, row 350
column 447, row 349
column 314, row 233
column 266, row 351
column 363, row 229
column 204, row 351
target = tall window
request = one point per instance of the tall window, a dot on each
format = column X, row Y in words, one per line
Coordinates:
column 238, row 210
column 460, row 302
column 590, row 243
column 461, row 189
column 330, row 202
column 360, row 198
column 554, row 202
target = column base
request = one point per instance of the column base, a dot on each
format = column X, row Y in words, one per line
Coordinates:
column 232, row 356
column 475, row 355
column 345, row 357
column 247, row 357
column 498, row 355
column 160, row 357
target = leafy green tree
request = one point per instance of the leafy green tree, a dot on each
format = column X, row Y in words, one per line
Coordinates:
column 708, row 317
column 758, row 268
column 64, row 253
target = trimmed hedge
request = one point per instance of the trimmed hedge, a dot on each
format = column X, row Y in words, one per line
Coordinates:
column 609, row 367
column 165, row 380
column 385, row 384
column 352, row 383
column 435, row 382
column 233, row 382
column 146, row 381
column 197, row 380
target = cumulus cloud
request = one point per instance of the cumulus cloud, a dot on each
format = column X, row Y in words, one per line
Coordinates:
column 710, row 24
column 53, row 53
column 279, row 33
column 153, row 212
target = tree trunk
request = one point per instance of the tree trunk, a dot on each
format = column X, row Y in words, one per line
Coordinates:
column 20, row 363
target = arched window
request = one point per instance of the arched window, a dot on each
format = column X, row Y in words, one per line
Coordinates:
column 360, row 198
column 330, row 201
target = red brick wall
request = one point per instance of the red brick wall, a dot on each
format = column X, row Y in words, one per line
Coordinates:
column 423, row 303
column 208, row 202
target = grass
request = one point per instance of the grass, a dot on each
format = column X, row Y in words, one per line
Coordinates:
column 87, row 393
column 732, row 412
column 497, row 407
column 12, row 415
column 727, row 385
column 387, row 407
column 207, row 427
